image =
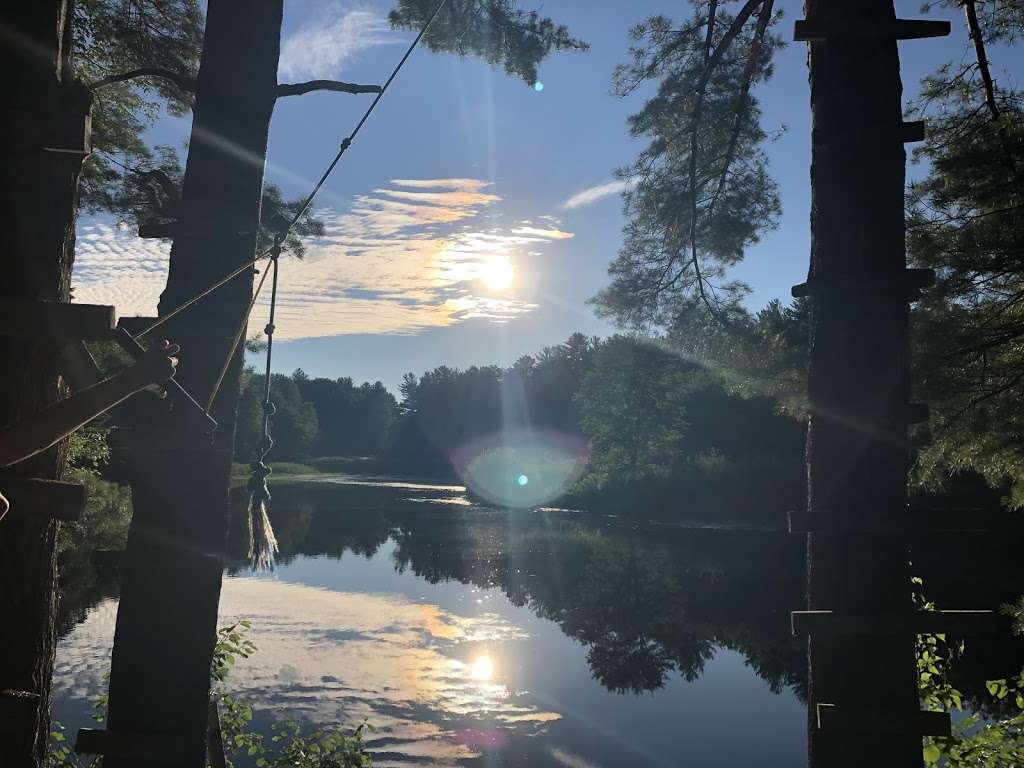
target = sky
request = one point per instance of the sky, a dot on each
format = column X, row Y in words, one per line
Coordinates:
column 475, row 215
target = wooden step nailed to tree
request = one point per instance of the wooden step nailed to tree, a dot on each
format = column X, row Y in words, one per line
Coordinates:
column 55, row 498
column 835, row 718
column 909, row 282
column 810, row 31
column 831, row 624
column 67, row 133
column 56, row 319
column 912, row 131
column 151, row 747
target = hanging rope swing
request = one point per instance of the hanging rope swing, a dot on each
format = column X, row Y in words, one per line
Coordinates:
column 262, row 542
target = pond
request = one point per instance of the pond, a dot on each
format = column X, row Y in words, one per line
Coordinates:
column 466, row 635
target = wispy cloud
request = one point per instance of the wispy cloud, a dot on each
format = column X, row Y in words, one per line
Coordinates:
column 326, row 42
column 395, row 262
column 593, row 194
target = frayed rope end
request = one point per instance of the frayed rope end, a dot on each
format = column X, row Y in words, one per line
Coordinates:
column 262, row 542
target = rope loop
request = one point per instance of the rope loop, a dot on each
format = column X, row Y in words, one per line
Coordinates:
column 269, row 408
column 258, row 482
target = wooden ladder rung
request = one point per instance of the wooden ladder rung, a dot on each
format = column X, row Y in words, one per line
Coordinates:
column 56, row 319
column 830, row 623
column 912, row 131
column 55, row 498
column 909, row 281
column 808, row 31
column 152, row 747
column 834, row 718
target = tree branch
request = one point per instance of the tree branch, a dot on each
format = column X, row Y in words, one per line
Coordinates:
column 185, row 82
column 298, row 89
column 970, row 11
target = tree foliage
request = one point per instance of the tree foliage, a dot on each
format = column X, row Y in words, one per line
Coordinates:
column 633, row 406
column 493, row 30
column 117, row 36
column 699, row 194
column 966, row 221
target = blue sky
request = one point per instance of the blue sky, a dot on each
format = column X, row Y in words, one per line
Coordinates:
column 462, row 173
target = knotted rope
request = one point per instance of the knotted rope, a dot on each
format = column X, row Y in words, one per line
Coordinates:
column 262, row 542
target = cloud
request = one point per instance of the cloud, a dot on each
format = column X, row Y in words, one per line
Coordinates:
column 324, row 44
column 395, row 262
column 473, row 184
column 593, row 194
column 549, row 234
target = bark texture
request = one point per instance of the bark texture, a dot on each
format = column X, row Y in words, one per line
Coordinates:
column 37, row 201
column 857, row 450
column 171, row 578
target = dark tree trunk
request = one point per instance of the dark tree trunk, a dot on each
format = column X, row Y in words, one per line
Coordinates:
column 167, row 618
column 37, row 200
column 858, row 381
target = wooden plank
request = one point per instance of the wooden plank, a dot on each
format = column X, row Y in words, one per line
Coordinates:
column 78, row 366
column 834, row 718
column 135, row 325
column 54, row 319
column 908, row 281
column 170, row 230
column 214, row 737
column 809, row 31
column 107, row 558
column 912, row 131
column 55, row 498
column 152, row 747
column 67, row 132
column 831, row 624
column 912, row 521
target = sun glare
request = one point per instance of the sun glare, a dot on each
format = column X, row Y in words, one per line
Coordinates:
column 482, row 668
column 497, row 273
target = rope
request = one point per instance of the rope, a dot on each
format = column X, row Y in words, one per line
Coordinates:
column 258, row 484
column 345, row 144
column 202, row 294
column 238, row 339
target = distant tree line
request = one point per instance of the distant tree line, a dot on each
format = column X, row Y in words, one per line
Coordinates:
column 653, row 420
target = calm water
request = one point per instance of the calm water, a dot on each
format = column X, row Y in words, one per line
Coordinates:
column 469, row 636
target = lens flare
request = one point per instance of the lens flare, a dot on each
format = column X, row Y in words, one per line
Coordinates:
column 522, row 468
column 538, row 86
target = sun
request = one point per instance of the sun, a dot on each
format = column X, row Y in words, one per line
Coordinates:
column 482, row 669
column 497, row 273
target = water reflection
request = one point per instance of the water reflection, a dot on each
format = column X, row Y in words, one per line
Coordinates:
column 549, row 638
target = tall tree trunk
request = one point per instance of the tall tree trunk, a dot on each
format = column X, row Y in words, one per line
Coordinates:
column 167, row 618
column 858, row 385
column 37, row 200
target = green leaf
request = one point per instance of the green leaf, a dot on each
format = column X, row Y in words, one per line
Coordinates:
column 931, row 754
